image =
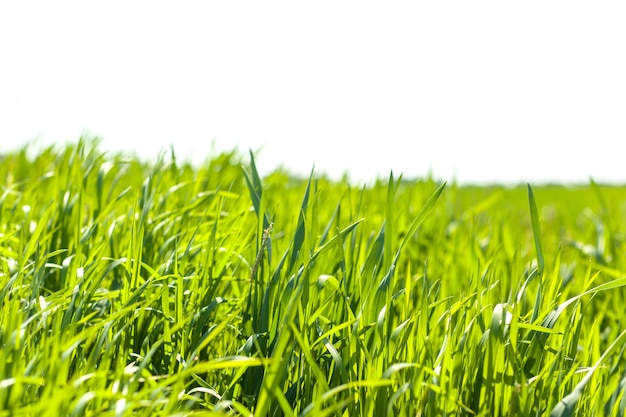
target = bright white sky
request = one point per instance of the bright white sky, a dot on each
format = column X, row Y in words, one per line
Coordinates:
column 477, row 91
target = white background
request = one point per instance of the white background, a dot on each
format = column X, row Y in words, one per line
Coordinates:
column 474, row 91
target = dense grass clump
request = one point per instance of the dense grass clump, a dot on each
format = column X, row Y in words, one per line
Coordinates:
column 129, row 288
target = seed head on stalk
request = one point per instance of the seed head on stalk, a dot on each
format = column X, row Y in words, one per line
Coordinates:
column 259, row 257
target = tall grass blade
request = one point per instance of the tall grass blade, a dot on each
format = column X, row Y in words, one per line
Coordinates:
column 534, row 218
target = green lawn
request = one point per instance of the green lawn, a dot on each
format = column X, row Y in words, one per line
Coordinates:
column 159, row 289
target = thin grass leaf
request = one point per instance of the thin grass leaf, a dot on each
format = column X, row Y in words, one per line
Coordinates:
column 534, row 218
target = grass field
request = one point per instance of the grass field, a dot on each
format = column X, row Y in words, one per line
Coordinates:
column 161, row 289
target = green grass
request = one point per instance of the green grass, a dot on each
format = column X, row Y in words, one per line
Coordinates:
column 129, row 288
